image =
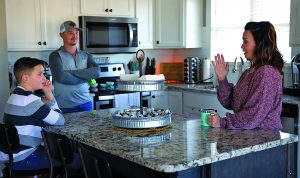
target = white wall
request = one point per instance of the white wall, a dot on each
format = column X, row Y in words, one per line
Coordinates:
column 4, row 84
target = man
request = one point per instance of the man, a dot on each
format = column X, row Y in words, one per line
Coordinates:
column 29, row 113
column 71, row 69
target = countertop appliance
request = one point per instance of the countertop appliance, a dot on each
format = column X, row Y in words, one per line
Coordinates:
column 104, row 96
column 294, row 90
column 295, row 73
column 108, row 34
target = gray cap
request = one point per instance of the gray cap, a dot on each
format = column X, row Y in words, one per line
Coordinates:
column 68, row 25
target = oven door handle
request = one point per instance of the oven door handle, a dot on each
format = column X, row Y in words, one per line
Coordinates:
column 130, row 34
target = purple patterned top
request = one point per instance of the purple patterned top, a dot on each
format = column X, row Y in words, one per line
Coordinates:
column 256, row 100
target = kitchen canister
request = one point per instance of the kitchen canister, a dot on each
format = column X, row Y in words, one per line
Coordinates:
column 206, row 70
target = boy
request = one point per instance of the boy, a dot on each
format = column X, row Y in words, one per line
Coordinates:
column 29, row 113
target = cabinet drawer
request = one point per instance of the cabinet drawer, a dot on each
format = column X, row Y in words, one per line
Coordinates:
column 191, row 110
column 200, row 100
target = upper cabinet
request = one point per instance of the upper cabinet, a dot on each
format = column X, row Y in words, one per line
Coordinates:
column 169, row 16
column 117, row 8
column 144, row 13
column 161, row 24
column 34, row 24
column 178, row 23
column 295, row 23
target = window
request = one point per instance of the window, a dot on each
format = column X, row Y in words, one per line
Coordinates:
column 229, row 18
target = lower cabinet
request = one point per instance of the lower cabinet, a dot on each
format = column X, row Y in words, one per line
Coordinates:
column 186, row 102
column 171, row 100
column 175, row 101
column 193, row 102
column 159, row 99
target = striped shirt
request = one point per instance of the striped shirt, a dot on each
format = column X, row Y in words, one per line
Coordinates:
column 29, row 114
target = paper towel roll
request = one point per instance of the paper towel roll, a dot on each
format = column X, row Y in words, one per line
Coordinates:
column 206, row 70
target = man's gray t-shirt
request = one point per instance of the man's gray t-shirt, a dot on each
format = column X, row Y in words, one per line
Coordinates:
column 71, row 75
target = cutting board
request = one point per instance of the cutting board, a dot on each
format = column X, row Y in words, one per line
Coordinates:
column 173, row 71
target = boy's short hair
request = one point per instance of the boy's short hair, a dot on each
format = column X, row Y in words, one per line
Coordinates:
column 25, row 65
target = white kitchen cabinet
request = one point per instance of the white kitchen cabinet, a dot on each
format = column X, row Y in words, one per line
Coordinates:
column 159, row 99
column 175, row 101
column 144, row 13
column 34, row 24
column 178, row 23
column 295, row 23
column 116, row 8
column 193, row 102
column 171, row 100
column 169, row 15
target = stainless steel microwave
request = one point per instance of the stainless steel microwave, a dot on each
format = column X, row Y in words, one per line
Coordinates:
column 103, row 35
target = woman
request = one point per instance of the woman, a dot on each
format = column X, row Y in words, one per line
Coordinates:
column 256, row 99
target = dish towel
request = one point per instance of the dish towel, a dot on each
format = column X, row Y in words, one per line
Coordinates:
column 121, row 100
column 134, row 99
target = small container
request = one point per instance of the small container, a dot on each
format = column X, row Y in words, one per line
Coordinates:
column 204, row 114
column 103, row 85
column 110, row 85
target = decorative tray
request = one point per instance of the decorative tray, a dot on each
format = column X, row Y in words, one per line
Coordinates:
column 152, row 140
column 140, row 85
column 133, row 119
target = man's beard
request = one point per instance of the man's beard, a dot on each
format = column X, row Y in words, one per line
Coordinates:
column 73, row 44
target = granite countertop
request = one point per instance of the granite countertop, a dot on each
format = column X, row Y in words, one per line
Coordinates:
column 185, row 145
column 210, row 88
column 291, row 99
column 207, row 88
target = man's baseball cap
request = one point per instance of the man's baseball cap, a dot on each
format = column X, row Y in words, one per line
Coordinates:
column 68, row 25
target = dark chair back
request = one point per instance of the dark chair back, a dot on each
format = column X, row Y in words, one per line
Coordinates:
column 9, row 144
column 59, row 148
column 94, row 166
column 9, row 141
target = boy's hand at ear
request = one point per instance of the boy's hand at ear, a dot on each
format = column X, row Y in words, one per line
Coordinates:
column 47, row 91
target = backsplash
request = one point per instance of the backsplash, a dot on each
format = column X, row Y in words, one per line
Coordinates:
column 161, row 55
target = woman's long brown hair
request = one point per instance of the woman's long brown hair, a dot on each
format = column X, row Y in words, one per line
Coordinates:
column 266, row 51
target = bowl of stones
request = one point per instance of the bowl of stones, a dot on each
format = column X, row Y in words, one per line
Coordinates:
column 133, row 119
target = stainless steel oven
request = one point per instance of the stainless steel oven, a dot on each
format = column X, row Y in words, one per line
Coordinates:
column 104, row 95
column 146, row 95
column 106, row 102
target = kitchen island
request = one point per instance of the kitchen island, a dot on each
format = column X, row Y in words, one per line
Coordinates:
column 185, row 149
column 289, row 116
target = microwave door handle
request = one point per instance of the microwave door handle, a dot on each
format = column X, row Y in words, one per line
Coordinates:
column 130, row 31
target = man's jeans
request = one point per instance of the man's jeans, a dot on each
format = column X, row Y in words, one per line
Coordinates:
column 83, row 107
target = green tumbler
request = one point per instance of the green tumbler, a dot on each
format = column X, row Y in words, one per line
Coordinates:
column 203, row 115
